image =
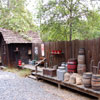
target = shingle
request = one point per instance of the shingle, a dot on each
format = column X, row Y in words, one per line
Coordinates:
column 13, row 37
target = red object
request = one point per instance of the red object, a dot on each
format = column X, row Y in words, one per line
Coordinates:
column 53, row 51
column 72, row 66
column 19, row 62
column 56, row 52
column 59, row 51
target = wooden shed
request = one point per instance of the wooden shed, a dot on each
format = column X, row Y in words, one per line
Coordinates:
column 14, row 46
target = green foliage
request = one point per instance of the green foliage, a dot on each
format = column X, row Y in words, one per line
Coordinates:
column 60, row 18
column 16, row 17
column 68, row 19
column 89, row 28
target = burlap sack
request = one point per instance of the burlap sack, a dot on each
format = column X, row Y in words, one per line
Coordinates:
column 72, row 79
column 79, row 80
column 66, row 77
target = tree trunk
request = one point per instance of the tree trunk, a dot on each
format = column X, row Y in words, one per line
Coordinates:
column 71, row 30
column 8, row 5
column 70, row 40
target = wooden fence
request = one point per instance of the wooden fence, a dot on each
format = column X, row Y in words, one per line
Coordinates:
column 92, row 51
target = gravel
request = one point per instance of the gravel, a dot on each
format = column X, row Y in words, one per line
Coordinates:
column 66, row 94
column 13, row 87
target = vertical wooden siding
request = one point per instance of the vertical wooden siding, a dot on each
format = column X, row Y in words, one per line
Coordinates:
column 92, row 51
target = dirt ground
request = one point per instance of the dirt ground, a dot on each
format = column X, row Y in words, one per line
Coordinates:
column 14, row 87
column 66, row 94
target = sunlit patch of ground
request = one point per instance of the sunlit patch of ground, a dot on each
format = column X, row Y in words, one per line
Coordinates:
column 20, row 72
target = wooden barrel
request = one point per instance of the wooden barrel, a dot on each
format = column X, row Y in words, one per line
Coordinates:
column 81, row 51
column 72, row 65
column 96, row 82
column 81, row 68
column 81, row 59
column 87, row 79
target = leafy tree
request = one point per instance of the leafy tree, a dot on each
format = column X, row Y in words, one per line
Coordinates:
column 90, row 27
column 59, row 18
column 15, row 16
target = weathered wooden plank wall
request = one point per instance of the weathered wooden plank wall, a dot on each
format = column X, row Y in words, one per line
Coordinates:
column 92, row 51
column 54, row 59
column 33, row 50
column 3, row 50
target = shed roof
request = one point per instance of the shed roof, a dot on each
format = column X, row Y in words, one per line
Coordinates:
column 14, row 37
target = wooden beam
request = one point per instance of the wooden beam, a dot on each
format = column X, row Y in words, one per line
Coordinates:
column 8, row 56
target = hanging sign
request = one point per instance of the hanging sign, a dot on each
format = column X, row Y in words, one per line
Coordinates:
column 29, row 52
column 42, row 49
column 36, row 50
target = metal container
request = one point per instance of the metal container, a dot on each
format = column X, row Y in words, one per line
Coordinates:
column 61, row 68
column 33, row 62
column 64, row 64
column 66, row 67
column 60, row 73
column 30, row 62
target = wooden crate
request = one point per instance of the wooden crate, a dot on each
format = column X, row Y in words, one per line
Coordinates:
column 49, row 72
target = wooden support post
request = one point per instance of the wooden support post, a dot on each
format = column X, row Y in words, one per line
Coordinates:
column 59, row 86
column 8, row 56
column 36, row 67
column 99, row 98
column 36, row 77
column 36, row 73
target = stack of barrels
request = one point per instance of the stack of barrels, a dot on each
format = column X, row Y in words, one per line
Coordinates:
column 72, row 65
column 81, row 61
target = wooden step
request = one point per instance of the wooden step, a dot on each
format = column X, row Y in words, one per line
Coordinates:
column 32, row 77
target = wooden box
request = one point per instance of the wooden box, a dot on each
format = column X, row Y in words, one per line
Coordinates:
column 49, row 72
column 45, row 71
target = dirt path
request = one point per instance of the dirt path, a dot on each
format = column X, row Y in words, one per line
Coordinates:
column 66, row 94
column 13, row 87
